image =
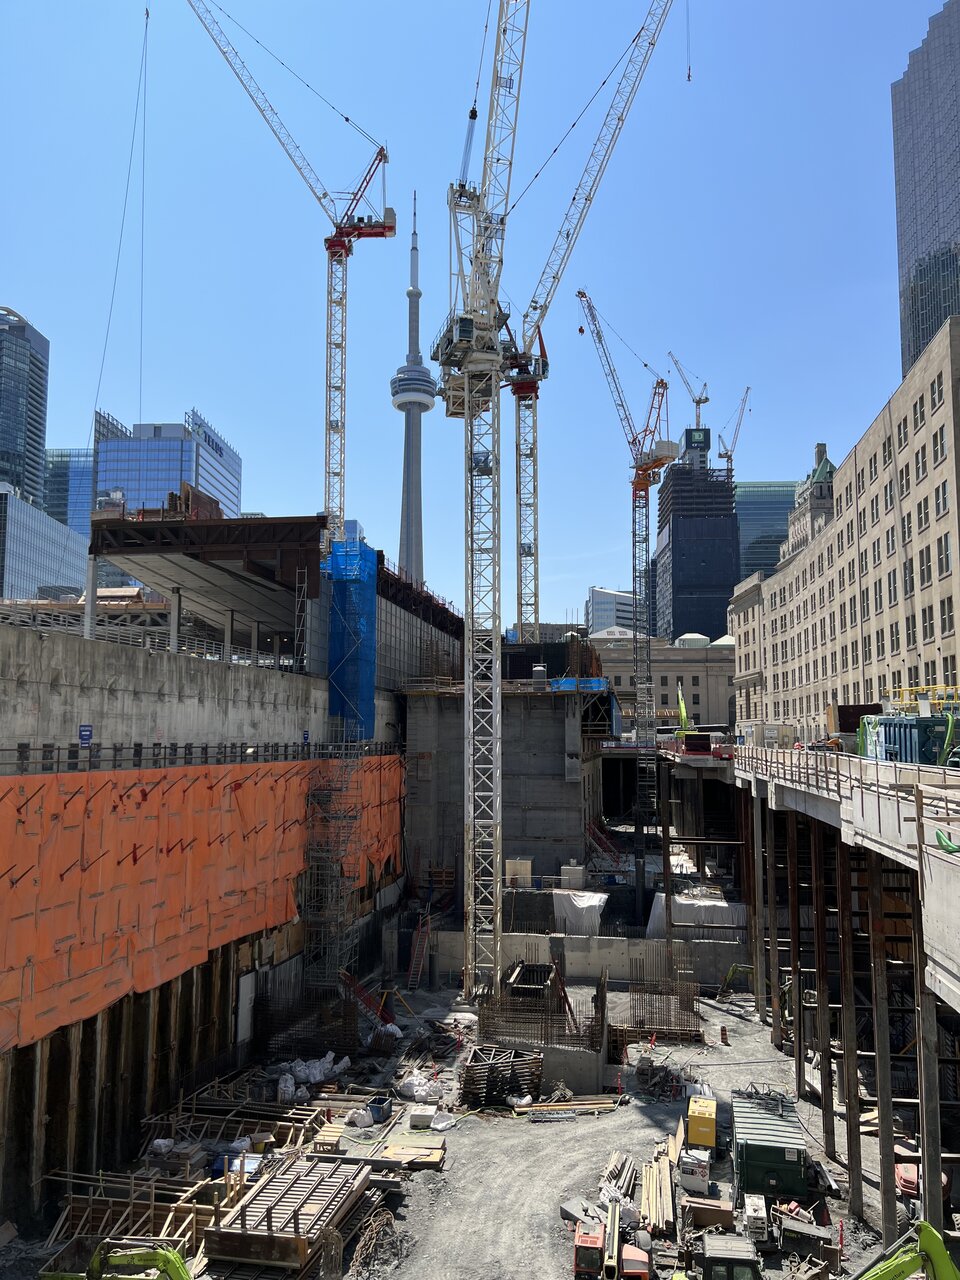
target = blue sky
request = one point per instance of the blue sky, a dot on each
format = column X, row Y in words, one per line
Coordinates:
column 747, row 221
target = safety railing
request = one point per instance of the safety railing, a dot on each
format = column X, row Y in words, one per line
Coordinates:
column 72, row 757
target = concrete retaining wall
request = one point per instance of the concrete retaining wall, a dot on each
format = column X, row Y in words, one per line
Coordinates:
column 51, row 682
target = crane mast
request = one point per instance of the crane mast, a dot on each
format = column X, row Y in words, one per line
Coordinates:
column 525, row 371
column 650, row 451
column 726, row 451
column 348, row 227
column 699, row 398
column 470, row 352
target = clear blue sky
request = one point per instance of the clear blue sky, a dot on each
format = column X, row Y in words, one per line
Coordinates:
column 747, row 221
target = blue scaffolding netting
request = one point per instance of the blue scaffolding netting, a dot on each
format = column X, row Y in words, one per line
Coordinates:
column 353, row 634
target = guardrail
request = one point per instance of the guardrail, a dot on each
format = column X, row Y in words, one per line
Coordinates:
column 71, row 757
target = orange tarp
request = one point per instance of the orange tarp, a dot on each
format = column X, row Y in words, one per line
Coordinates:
column 117, row 881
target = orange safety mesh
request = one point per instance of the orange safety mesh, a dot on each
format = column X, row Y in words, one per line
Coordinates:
column 118, row 881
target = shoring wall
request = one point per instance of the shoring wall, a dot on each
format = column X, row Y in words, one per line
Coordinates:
column 117, row 881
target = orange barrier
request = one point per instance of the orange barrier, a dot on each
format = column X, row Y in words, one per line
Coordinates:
column 117, row 881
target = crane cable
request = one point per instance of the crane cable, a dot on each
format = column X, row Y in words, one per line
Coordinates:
column 648, row 367
column 143, row 200
column 296, row 75
column 590, row 101
column 483, row 47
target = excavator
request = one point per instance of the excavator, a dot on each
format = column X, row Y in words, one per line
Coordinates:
column 132, row 1260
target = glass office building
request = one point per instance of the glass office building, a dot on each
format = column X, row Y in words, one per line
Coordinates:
column 143, row 465
column 763, row 508
column 926, row 159
column 24, row 365
column 69, row 488
column 40, row 558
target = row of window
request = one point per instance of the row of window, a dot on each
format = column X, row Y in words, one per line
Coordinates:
column 919, row 417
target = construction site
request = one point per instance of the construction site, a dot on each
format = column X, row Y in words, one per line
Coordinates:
column 344, row 936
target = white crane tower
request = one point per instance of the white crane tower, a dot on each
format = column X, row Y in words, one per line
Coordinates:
column 524, row 370
column 470, row 353
column 348, row 227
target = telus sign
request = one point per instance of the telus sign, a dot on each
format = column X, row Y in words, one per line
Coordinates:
column 215, row 445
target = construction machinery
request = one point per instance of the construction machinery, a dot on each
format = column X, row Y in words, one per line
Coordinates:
column 349, row 226
column 524, row 368
column 650, row 451
column 919, row 1249
column 699, row 398
column 600, row 1254
column 470, row 352
column 726, row 451
column 156, row 1259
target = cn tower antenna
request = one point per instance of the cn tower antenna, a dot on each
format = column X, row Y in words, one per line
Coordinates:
column 413, row 391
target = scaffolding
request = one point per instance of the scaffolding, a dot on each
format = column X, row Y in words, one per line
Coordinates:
column 329, row 900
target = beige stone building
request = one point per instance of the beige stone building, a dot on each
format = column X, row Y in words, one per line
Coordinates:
column 861, row 607
column 704, row 670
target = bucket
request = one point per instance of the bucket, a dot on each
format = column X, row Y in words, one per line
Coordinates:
column 380, row 1108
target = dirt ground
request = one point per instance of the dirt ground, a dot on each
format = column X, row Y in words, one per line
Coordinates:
column 493, row 1211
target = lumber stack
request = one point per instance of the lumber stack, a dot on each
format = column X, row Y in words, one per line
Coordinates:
column 621, row 1172
column 656, row 1193
column 491, row 1074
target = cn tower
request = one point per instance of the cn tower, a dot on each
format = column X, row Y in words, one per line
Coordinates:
column 413, row 391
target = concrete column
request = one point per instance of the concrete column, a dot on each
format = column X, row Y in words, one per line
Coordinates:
column 823, row 988
column 928, row 1071
column 90, row 600
column 776, row 1022
column 124, row 1122
column 173, row 992
column 276, row 650
column 881, row 1036
column 175, row 602
column 149, row 1050
column 793, row 904
column 759, row 966
column 228, row 635
column 255, row 636
column 848, row 1021
column 74, row 1040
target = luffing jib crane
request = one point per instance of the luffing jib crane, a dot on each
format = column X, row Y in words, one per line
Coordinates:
column 726, row 451
column 348, row 227
column 470, row 353
column 699, row 398
column 650, row 451
column 526, row 370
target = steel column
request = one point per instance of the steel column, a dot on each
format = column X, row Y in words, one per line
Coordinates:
column 848, row 1023
column 823, row 988
column 881, row 1036
column 776, row 1022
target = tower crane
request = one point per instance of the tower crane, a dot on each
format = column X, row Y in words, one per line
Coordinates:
column 348, row 227
column 526, row 370
column 650, row 451
column 469, row 350
column 726, row 451
column 699, row 398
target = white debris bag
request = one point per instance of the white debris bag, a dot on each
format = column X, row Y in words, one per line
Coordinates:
column 302, row 1094
column 429, row 1091
column 338, row 1068
column 525, row 1101
column 161, row 1146
column 442, row 1121
column 298, row 1070
column 414, row 1081
column 391, row 1029
column 286, row 1087
column 360, row 1117
column 240, row 1146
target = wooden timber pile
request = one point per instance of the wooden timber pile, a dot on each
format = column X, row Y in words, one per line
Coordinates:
column 656, row 1193
column 491, row 1074
column 621, row 1172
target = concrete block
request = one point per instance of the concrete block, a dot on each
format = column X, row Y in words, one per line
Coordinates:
column 421, row 1115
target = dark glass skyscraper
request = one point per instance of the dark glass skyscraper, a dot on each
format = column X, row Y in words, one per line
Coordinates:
column 763, row 507
column 24, row 365
column 698, row 547
column 926, row 159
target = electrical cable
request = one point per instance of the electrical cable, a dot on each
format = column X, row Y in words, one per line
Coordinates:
column 296, row 75
column 586, row 108
column 143, row 198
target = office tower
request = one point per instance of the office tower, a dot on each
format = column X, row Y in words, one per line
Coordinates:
column 68, row 488
column 39, row 557
column 607, row 608
column 926, row 160
column 24, row 366
column 698, row 545
column 413, row 391
column 142, row 465
column 763, row 508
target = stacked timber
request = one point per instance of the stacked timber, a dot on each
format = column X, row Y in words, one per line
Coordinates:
column 491, row 1074
column 621, row 1172
column 656, row 1193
